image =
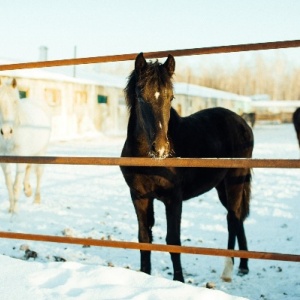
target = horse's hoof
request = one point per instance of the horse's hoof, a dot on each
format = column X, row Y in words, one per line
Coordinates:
column 226, row 279
column 37, row 199
column 13, row 210
column 242, row 272
column 28, row 192
column 210, row 285
column 178, row 276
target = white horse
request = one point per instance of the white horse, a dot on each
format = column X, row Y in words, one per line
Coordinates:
column 25, row 127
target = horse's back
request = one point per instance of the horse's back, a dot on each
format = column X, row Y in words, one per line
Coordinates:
column 210, row 133
column 213, row 132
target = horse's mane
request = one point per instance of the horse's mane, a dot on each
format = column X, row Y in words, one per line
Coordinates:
column 153, row 74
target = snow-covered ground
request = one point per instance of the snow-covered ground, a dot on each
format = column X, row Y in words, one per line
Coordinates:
column 94, row 202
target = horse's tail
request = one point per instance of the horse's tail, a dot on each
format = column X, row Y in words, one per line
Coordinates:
column 245, row 207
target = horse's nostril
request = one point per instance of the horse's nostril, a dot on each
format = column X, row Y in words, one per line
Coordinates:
column 153, row 147
column 2, row 132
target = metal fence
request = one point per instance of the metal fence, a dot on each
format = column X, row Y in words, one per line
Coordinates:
column 169, row 162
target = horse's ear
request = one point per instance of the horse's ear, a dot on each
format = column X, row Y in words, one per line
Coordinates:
column 140, row 63
column 14, row 83
column 170, row 64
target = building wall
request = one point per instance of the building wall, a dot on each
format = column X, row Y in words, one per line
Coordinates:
column 74, row 106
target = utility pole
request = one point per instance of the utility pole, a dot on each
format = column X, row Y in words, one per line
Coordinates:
column 75, row 56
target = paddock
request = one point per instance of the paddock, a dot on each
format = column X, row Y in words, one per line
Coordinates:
column 285, row 163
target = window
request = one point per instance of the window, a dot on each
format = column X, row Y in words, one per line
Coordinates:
column 102, row 99
column 23, row 94
column 80, row 98
column 53, row 97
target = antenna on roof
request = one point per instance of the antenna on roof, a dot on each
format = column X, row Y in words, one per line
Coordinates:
column 75, row 55
column 43, row 53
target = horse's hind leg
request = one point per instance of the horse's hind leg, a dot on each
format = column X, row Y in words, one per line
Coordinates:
column 241, row 236
column 234, row 194
column 145, row 216
column 27, row 186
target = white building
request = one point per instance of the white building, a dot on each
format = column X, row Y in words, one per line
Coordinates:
column 95, row 102
column 86, row 103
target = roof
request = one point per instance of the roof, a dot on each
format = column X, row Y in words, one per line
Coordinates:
column 182, row 88
column 83, row 76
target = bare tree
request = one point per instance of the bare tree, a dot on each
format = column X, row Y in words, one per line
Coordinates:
column 275, row 77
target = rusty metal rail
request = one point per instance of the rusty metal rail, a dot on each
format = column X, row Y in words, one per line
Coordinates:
column 151, row 162
column 151, row 247
column 156, row 54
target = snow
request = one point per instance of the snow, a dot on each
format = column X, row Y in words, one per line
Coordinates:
column 94, row 202
column 202, row 91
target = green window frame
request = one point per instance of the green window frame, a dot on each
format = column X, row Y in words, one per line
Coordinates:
column 101, row 99
column 23, row 94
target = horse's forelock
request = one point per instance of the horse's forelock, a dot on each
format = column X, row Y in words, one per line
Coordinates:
column 9, row 100
column 154, row 74
column 9, row 91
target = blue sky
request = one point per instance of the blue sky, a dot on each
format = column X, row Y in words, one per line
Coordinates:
column 100, row 27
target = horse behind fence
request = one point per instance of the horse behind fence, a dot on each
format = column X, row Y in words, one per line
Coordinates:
column 25, row 128
column 296, row 122
column 156, row 130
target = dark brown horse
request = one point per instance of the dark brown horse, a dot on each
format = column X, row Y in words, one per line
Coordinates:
column 296, row 122
column 156, row 130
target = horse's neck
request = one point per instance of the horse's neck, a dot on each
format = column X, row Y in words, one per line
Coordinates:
column 19, row 116
column 174, row 123
column 135, row 131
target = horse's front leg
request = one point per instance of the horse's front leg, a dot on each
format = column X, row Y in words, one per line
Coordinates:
column 27, row 186
column 39, row 173
column 173, row 213
column 145, row 215
column 9, row 184
column 20, row 171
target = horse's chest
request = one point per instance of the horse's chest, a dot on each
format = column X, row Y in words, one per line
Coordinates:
column 158, row 183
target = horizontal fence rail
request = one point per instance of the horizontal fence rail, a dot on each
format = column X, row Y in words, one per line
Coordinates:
column 152, row 162
column 152, row 247
column 156, row 54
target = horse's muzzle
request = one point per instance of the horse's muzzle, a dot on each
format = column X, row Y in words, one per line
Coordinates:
column 6, row 132
column 162, row 151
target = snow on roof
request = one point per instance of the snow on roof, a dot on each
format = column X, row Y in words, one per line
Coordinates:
column 82, row 76
column 182, row 88
column 277, row 103
column 102, row 78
